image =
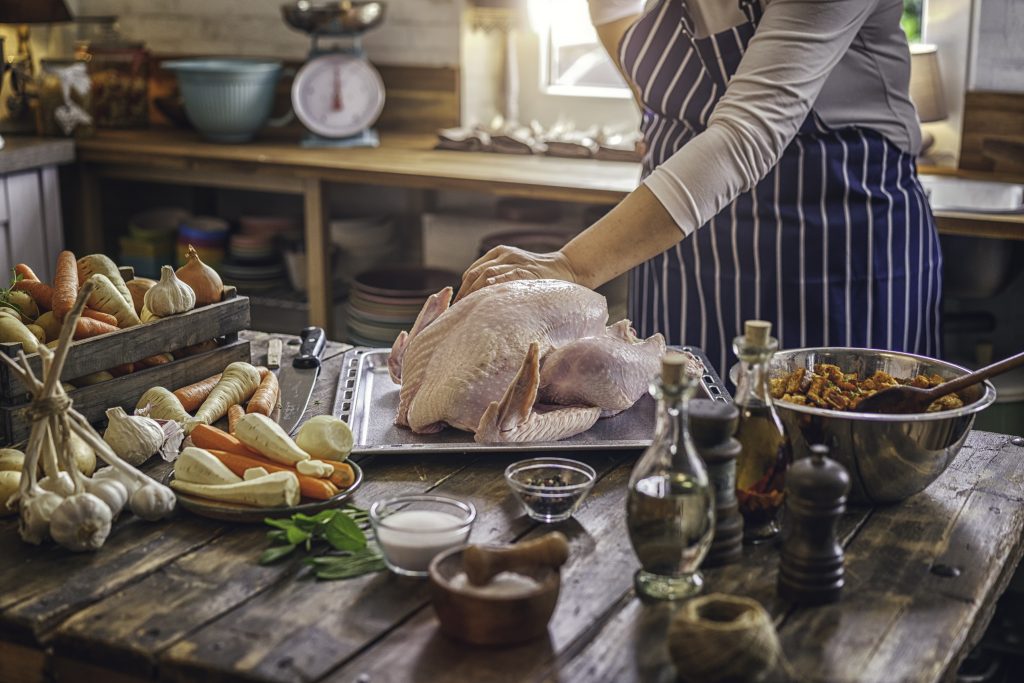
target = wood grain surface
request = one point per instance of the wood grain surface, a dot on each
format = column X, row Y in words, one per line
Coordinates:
column 185, row 601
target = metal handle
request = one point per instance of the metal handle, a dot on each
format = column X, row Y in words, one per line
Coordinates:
column 311, row 348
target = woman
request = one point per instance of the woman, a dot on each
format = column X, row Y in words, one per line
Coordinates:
column 779, row 179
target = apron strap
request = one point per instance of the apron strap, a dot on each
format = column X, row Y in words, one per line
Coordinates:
column 752, row 10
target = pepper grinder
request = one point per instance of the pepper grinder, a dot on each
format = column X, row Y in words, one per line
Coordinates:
column 811, row 563
column 712, row 425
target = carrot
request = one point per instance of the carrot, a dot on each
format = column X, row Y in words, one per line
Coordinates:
column 263, row 372
column 343, row 476
column 87, row 327
column 40, row 292
column 211, row 438
column 65, row 284
column 120, row 370
column 100, row 315
column 265, row 399
column 234, row 412
column 311, row 487
column 26, row 272
column 193, row 395
column 158, row 359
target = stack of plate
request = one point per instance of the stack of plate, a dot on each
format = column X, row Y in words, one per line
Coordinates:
column 385, row 301
column 363, row 243
column 209, row 236
column 151, row 238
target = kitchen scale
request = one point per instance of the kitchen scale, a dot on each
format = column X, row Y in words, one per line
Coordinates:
column 337, row 94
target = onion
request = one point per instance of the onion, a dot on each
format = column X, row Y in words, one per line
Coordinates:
column 203, row 279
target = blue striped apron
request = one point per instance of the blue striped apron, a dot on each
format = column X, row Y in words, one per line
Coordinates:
column 836, row 246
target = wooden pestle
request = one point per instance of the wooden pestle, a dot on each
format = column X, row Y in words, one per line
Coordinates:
column 483, row 563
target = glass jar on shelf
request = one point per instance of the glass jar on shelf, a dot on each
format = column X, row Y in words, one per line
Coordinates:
column 119, row 71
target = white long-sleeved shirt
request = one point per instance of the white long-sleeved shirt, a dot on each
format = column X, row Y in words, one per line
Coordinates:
column 848, row 59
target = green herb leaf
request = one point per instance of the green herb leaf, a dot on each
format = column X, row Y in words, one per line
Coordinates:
column 345, row 534
column 278, row 552
column 279, row 523
column 297, row 535
column 348, row 566
column 277, row 535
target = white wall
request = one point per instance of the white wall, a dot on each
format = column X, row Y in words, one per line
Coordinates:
column 999, row 53
column 414, row 32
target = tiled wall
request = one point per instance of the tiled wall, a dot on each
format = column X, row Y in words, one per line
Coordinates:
column 420, row 32
column 999, row 53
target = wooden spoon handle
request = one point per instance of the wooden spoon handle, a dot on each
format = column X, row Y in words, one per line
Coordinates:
column 977, row 376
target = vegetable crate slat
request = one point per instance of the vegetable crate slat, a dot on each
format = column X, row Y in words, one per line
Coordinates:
column 221, row 321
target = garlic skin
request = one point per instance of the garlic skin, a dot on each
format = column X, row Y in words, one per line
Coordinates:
column 203, row 279
column 170, row 296
column 110, row 491
column 153, row 501
column 36, row 511
column 62, row 485
column 81, row 522
column 133, row 438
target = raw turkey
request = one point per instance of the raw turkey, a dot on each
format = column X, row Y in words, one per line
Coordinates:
column 530, row 360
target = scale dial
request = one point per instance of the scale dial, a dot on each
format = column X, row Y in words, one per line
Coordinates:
column 337, row 95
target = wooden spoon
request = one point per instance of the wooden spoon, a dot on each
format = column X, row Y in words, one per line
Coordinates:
column 483, row 563
column 904, row 400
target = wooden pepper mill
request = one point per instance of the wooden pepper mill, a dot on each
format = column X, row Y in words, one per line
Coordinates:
column 712, row 425
column 811, row 562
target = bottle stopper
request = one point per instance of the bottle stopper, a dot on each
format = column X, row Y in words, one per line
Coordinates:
column 757, row 332
column 673, row 368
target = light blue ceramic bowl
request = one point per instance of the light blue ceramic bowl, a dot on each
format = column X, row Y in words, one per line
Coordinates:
column 227, row 100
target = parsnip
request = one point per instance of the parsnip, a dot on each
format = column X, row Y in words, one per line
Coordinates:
column 315, row 468
column 267, row 438
column 326, row 437
column 201, row 467
column 107, row 299
column 100, row 263
column 237, row 383
column 38, row 332
column 163, row 405
column 254, row 473
column 13, row 330
column 280, row 489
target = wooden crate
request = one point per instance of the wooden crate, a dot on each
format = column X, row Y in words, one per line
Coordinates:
column 222, row 321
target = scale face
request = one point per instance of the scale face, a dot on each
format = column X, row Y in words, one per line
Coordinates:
column 337, row 95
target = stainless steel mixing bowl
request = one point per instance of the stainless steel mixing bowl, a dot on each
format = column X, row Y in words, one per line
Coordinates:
column 343, row 18
column 889, row 457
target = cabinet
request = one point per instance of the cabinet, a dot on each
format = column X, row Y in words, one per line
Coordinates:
column 31, row 229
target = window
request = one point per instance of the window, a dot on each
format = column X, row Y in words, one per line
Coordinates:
column 573, row 61
column 913, row 14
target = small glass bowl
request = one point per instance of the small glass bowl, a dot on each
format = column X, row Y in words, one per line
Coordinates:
column 551, row 489
column 411, row 530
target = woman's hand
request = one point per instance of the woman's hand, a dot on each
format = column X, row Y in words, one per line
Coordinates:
column 504, row 264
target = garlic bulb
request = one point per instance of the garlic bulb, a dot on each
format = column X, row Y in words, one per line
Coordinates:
column 169, row 296
column 131, row 484
column 110, row 491
column 203, row 279
column 133, row 438
column 62, row 484
column 153, row 501
column 81, row 522
column 36, row 511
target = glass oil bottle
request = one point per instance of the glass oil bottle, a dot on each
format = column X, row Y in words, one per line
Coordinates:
column 670, row 511
column 765, row 453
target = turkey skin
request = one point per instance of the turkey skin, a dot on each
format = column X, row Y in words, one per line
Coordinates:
column 522, row 361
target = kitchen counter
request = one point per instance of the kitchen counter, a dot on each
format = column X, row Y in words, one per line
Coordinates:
column 276, row 164
column 184, row 600
column 21, row 153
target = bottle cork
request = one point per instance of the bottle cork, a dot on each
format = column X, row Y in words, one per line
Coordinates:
column 673, row 368
column 757, row 332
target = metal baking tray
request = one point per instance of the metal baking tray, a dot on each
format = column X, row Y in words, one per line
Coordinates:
column 368, row 400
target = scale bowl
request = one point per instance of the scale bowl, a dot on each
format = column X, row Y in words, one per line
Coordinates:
column 335, row 18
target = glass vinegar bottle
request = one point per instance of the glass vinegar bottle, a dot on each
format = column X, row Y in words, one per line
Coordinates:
column 670, row 510
column 765, row 453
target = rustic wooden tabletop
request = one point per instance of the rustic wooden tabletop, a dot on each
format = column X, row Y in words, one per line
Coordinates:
column 185, row 600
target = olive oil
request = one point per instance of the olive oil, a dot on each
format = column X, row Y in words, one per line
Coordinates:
column 764, row 454
column 670, row 509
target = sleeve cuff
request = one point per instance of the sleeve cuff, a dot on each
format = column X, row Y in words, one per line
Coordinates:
column 673, row 195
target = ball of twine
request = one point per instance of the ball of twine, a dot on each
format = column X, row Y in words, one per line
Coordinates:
column 722, row 638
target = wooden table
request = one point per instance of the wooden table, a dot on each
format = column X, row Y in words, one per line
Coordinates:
column 403, row 160
column 184, row 600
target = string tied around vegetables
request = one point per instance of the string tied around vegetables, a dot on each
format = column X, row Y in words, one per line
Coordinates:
column 43, row 408
column 79, row 514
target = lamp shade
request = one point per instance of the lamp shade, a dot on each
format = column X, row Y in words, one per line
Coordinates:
column 33, row 12
column 926, row 83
